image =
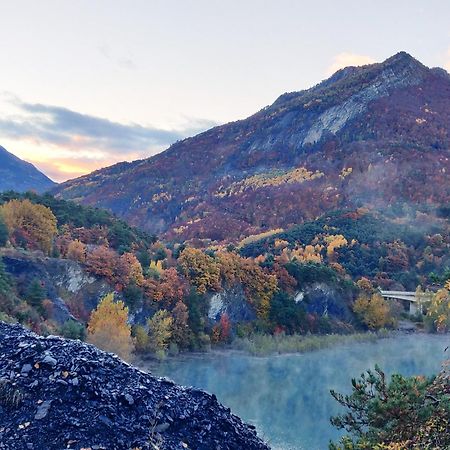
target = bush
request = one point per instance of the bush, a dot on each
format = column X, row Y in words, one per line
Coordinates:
column 4, row 235
column 73, row 330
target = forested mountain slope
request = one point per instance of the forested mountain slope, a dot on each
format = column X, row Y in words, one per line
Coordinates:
column 367, row 136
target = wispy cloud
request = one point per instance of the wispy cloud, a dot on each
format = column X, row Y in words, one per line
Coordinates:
column 73, row 143
column 345, row 59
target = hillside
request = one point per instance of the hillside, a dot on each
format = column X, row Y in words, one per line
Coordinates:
column 368, row 136
column 58, row 264
column 21, row 176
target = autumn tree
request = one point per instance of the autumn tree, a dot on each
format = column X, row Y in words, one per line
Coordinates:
column 102, row 261
column 365, row 285
column 447, row 285
column 141, row 339
column 258, row 285
column 230, row 267
column 171, row 288
column 305, row 254
column 225, row 327
column 222, row 331
column 30, row 225
column 200, row 269
column 129, row 270
column 373, row 311
column 108, row 327
column 286, row 282
column 76, row 251
column 334, row 242
column 180, row 328
column 397, row 258
column 438, row 312
column 160, row 330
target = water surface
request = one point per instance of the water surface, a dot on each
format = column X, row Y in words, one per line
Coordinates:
column 287, row 397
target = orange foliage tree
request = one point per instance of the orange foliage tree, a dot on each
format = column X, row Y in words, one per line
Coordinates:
column 171, row 288
column 108, row 327
column 129, row 270
column 102, row 261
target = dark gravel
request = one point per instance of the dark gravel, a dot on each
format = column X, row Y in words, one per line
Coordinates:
column 60, row 394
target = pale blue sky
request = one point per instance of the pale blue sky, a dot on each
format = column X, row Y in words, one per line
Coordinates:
column 87, row 83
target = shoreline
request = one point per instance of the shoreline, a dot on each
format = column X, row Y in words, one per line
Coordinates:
column 281, row 345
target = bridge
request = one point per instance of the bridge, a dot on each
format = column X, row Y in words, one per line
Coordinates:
column 414, row 300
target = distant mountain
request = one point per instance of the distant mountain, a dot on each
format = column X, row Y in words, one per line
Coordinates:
column 370, row 136
column 18, row 175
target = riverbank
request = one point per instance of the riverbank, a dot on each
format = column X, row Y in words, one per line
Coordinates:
column 266, row 345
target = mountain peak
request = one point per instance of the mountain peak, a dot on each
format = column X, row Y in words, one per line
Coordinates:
column 21, row 176
column 403, row 59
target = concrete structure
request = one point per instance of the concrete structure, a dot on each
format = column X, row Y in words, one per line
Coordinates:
column 414, row 300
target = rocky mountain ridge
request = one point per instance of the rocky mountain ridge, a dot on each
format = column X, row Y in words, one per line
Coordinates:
column 368, row 136
column 57, row 393
column 18, row 175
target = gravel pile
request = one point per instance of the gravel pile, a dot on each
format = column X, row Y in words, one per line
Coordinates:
column 60, row 394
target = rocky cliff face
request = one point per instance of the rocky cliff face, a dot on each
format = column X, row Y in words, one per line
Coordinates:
column 66, row 283
column 57, row 393
column 372, row 136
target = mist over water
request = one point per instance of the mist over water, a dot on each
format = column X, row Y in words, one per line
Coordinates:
column 287, row 397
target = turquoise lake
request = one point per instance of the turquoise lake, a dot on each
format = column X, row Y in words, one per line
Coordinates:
column 287, row 397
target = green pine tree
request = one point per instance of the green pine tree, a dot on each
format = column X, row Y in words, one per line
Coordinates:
column 35, row 295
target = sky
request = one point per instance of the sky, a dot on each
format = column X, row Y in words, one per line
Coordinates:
column 88, row 83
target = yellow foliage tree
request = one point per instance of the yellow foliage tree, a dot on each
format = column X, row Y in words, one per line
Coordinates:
column 334, row 242
column 374, row 311
column 156, row 266
column 26, row 221
column 258, row 285
column 160, row 330
column 108, row 327
column 76, row 251
column 200, row 269
column 447, row 285
column 303, row 254
column 142, row 339
column 438, row 312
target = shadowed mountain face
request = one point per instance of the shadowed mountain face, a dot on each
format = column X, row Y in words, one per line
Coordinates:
column 21, row 176
column 372, row 136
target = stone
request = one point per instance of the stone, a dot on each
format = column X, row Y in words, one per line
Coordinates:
column 26, row 368
column 162, row 427
column 129, row 399
column 49, row 360
column 43, row 410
